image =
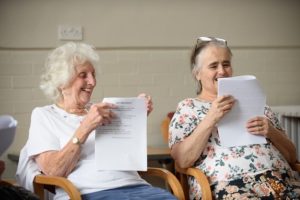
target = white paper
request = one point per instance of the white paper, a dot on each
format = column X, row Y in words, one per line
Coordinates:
column 7, row 132
column 122, row 145
column 250, row 102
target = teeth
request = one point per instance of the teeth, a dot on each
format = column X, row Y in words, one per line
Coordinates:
column 87, row 90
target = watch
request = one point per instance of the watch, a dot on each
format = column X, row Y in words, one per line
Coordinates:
column 75, row 140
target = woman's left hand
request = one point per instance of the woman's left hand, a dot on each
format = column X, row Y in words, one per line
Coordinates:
column 148, row 101
column 259, row 126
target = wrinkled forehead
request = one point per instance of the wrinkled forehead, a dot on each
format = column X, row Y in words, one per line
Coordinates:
column 212, row 53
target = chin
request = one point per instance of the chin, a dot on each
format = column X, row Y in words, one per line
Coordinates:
column 85, row 101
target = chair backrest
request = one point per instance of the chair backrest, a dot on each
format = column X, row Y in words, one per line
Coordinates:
column 164, row 127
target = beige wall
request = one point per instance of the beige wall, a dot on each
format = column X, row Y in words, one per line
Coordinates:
column 144, row 47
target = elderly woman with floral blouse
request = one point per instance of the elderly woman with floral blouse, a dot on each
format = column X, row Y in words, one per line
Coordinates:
column 258, row 171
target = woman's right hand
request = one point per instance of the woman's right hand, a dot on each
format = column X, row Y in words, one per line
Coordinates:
column 99, row 114
column 190, row 149
column 220, row 106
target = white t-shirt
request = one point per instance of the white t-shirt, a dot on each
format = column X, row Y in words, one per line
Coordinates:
column 51, row 128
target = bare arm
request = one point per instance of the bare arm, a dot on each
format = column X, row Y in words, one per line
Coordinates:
column 189, row 150
column 284, row 145
column 263, row 126
column 185, row 153
column 62, row 162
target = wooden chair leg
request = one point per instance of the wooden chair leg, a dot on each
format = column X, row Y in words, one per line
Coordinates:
column 39, row 191
column 184, row 184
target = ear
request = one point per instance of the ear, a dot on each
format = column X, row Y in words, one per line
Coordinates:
column 198, row 74
column 61, row 90
column 62, row 87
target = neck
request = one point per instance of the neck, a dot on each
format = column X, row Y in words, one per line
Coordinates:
column 207, row 96
column 78, row 110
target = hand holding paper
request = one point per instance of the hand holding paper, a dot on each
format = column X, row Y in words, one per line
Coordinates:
column 250, row 102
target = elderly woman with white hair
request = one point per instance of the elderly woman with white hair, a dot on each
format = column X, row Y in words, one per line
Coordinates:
column 62, row 135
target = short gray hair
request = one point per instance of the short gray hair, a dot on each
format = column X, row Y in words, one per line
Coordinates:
column 60, row 67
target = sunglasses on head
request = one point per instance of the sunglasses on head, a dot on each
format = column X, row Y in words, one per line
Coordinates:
column 208, row 39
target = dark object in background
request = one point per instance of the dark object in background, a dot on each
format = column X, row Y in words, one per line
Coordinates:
column 12, row 192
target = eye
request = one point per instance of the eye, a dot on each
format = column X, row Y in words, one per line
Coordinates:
column 213, row 66
column 82, row 75
column 226, row 64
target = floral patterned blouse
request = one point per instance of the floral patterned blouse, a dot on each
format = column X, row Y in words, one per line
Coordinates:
column 224, row 163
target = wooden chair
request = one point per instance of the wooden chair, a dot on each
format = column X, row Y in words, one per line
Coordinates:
column 43, row 182
column 164, row 127
column 7, row 182
column 200, row 177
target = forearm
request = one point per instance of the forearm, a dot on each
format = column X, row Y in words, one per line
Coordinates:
column 188, row 151
column 59, row 163
column 286, row 147
column 62, row 162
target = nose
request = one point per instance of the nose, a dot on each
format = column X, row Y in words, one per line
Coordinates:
column 91, row 80
column 221, row 69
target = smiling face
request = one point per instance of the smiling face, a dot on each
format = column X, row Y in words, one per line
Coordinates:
column 78, row 93
column 213, row 62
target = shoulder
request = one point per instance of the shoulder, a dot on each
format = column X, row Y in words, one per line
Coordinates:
column 186, row 102
column 192, row 103
column 43, row 111
column 187, row 107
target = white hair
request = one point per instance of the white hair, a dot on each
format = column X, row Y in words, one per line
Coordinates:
column 60, row 67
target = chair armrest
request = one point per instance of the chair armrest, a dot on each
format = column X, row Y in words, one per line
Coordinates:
column 169, row 178
column 42, row 182
column 296, row 166
column 6, row 183
column 200, row 177
column 164, row 128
